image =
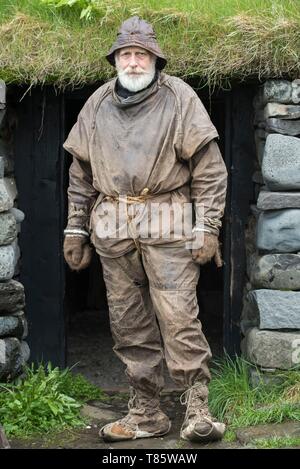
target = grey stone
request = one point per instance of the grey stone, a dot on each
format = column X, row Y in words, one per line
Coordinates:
column 8, row 228
column 277, row 200
column 7, row 262
column 281, row 163
column 278, row 91
column 1, row 167
column 10, row 349
column 18, row 214
column 15, row 326
column 12, row 297
column 296, row 91
column 22, row 357
column 278, row 231
column 13, row 355
column 5, row 200
column 265, row 377
column 285, row 429
column 101, row 416
column 2, row 92
column 25, row 328
column 17, row 255
column 285, row 91
column 272, row 349
column 9, row 165
column 11, row 187
column 283, row 126
column 275, row 271
column 282, row 111
column 273, row 309
column 4, row 443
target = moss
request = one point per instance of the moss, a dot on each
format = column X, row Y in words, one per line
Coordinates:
column 218, row 42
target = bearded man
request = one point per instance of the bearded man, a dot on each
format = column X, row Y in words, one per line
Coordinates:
column 145, row 138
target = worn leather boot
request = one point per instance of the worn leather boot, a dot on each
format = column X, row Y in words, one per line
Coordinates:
column 144, row 419
column 199, row 425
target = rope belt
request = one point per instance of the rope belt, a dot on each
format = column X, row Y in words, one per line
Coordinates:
column 129, row 200
column 132, row 199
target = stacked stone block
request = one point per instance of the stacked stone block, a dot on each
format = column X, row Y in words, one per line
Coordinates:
column 14, row 351
column 271, row 314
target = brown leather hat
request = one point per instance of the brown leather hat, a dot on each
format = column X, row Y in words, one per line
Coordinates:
column 139, row 33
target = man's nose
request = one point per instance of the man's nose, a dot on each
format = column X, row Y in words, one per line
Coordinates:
column 133, row 61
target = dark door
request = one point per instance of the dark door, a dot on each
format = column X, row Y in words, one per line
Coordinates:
column 39, row 171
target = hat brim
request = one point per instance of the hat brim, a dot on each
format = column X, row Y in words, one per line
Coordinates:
column 161, row 61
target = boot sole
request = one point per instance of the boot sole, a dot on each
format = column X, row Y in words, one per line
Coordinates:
column 216, row 434
column 138, row 434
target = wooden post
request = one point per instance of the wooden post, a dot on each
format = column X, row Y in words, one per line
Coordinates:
column 239, row 157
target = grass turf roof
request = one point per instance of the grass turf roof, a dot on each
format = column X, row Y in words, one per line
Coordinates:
column 216, row 40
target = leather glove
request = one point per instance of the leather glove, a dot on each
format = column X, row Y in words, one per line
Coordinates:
column 77, row 252
column 209, row 250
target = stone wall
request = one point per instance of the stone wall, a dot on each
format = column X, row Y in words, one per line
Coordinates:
column 271, row 315
column 14, row 351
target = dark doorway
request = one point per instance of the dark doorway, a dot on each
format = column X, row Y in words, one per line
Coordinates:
column 60, row 303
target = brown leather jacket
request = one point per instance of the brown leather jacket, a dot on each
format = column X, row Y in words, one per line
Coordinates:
column 161, row 140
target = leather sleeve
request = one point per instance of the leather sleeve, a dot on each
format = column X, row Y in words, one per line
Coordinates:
column 208, row 186
column 81, row 194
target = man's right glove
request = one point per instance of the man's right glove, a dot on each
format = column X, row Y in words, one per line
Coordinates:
column 209, row 250
column 77, row 252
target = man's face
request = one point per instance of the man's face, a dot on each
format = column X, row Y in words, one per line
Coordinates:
column 135, row 67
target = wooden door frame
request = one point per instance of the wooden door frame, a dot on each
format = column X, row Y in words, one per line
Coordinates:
column 239, row 159
column 39, row 172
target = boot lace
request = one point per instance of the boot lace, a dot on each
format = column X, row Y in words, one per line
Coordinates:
column 196, row 401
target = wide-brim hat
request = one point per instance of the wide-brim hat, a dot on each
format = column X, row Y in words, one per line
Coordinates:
column 139, row 33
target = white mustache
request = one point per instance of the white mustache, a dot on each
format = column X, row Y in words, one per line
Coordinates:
column 136, row 71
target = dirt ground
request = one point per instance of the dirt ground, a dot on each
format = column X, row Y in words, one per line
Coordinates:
column 98, row 414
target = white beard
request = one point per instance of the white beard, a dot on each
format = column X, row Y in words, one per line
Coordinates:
column 136, row 82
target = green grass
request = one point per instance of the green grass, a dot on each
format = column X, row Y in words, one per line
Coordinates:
column 234, row 401
column 277, row 442
column 218, row 41
column 229, row 436
column 46, row 399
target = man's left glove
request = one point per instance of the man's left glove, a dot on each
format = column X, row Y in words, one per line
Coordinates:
column 77, row 252
column 209, row 250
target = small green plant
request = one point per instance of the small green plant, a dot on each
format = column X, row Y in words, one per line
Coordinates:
column 230, row 436
column 46, row 399
column 76, row 386
column 87, row 8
